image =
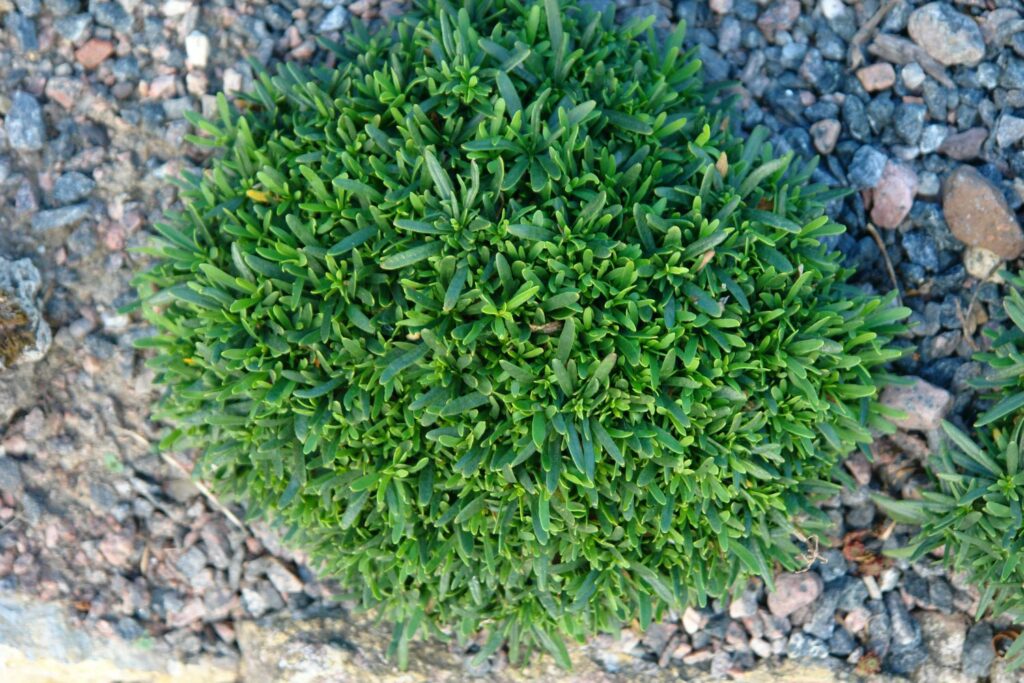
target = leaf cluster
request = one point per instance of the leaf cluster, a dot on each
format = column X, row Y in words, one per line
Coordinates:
column 508, row 329
column 974, row 515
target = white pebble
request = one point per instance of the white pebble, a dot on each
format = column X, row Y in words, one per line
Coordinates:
column 197, row 49
column 334, row 20
column 232, row 81
column 913, row 76
column 982, row 264
column 872, row 586
column 832, row 9
column 890, row 577
column 175, row 8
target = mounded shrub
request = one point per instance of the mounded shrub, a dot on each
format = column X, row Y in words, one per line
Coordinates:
column 974, row 514
column 504, row 325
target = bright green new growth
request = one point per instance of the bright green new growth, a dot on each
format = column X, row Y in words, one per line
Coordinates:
column 975, row 514
column 505, row 326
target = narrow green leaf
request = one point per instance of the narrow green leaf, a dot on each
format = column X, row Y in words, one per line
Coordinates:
column 403, row 361
column 628, row 122
column 417, row 226
column 404, row 259
column 454, row 291
column 508, row 93
column 463, row 404
column 320, row 389
column 531, row 232
column 442, row 182
column 352, row 241
column 1006, row 406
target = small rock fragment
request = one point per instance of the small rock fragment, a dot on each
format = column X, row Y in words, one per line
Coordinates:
column 334, row 20
column 64, row 217
column 932, row 138
column 693, row 620
column 73, row 28
column 1009, row 131
column 977, row 214
column 24, row 335
column 867, row 167
column 24, row 123
column 779, row 17
column 23, row 29
column 60, row 8
column 893, row 196
column 982, row 263
column 162, row 87
column 944, row 636
column 825, row 133
column 63, row 91
column 964, row 146
column 908, row 122
column 745, row 605
column 947, row 35
column 282, row 578
column 191, row 611
column 913, row 76
column 197, row 50
column 71, row 187
column 823, row 617
column 10, row 477
column 117, row 549
column 803, row 646
column 191, row 562
column 112, row 15
column 925, row 404
column 856, row 620
column 793, row 591
column 978, row 652
column 175, row 8
column 906, row 633
column 94, row 53
column 720, row 6
column 877, row 77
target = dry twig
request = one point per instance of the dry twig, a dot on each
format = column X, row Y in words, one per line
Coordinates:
column 143, row 441
column 813, row 553
column 966, row 317
column 854, row 56
column 902, row 51
column 212, row 499
column 888, row 262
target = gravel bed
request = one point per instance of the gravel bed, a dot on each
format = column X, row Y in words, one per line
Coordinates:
column 919, row 107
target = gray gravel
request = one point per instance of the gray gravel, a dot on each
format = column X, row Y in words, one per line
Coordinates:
column 92, row 102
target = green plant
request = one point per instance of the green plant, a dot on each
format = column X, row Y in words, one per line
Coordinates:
column 113, row 462
column 974, row 515
column 506, row 327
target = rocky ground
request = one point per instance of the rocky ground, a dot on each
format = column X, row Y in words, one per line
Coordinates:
column 920, row 107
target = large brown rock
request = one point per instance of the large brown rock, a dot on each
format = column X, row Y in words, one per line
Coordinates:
column 944, row 636
column 793, row 591
column 946, row 34
column 978, row 215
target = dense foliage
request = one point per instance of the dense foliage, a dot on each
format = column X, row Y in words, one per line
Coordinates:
column 975, row 513
column 508, row 329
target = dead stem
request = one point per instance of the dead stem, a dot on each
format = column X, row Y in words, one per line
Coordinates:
column 888, row 262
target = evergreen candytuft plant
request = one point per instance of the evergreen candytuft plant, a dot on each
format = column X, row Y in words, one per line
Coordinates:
column 975, row 513
column 505, row 326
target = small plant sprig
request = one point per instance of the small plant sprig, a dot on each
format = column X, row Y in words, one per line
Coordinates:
column 975, row 515
column 506, row 327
